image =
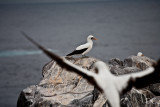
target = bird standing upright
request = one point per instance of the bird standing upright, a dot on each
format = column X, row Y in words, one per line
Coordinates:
column 140, row 54
column 85, row 48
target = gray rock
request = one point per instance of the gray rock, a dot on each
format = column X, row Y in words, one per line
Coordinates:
column 26, row 97
column 136, row 98
column 141, row 62
column 60, row 88
column 115, row 62
column 86, row 101
column 116, row 70
column 155, row 88
column 154, row 102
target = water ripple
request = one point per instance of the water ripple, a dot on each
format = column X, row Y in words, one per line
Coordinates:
column 20, row 52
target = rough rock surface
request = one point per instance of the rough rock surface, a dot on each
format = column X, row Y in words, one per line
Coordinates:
column 155, row 88
column 60, row 88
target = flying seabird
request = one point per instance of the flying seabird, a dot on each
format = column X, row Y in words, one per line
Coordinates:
column 112, row 86
column 85, row 48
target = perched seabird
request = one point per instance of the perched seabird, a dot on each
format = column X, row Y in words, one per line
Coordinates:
column 112, row 86
column 85, row 48
column 140, row 54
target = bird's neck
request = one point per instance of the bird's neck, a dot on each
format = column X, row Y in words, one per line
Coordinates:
column 89, row 41
column 104, row 71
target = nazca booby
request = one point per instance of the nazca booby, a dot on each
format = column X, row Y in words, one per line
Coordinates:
column 112, row 86
column 140, row 54
column 85, row 48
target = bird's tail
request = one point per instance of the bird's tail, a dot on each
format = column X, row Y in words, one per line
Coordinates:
column 76, row 52
column 70, row 54
column 73, row 53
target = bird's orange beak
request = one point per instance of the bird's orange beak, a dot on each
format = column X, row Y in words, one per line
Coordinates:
column 94, row 38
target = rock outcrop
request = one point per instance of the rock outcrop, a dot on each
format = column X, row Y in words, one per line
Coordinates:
column 60, row 88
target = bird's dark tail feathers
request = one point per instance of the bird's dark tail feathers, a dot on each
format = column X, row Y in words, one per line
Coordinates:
column 70, row 54
column 76, row 52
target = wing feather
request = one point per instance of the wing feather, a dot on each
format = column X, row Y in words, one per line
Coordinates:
column 75, row 52
column 83, row 46
column 139, row 79
column 66, row 64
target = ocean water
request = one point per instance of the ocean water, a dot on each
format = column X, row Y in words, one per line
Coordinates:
column 122, row 28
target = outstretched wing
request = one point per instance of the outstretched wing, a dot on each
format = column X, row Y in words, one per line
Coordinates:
column 66, row 64
column 152, row 77
column 139, row 79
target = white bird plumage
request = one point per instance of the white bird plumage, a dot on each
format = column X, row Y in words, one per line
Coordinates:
column 140, row 54
column 112, row 86
column 85, row 48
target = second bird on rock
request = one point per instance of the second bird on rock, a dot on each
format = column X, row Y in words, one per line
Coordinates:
column 85, row 48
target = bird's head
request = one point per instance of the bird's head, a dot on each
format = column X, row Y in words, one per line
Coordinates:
column 140, row 54
column 91, row 37
column 100, row 67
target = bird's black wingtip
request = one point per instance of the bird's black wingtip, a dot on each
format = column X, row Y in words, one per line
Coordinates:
column 157, row 65
column 47, row 52
column 23, row 33
column 26, row 36
column 158, row 61
column 68, row 55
